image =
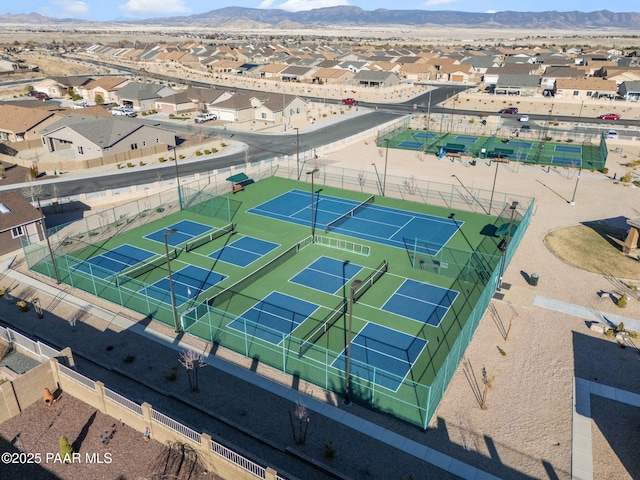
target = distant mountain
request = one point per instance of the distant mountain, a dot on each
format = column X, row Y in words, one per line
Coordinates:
column 234, row 17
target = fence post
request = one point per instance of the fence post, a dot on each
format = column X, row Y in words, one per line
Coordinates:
column 100, row 394
column 67, row 355
column 270, row 474
column 205, row 450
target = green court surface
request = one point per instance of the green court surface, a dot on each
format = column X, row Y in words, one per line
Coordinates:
column 228, row 307
column 591, row 155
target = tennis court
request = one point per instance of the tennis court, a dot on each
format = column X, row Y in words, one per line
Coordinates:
column 185, row 231
column 568, row 149
column 467, row 139
column 425, row 135
column 566, row 161
column 244, row 251
column 382, row 355
column 327, row 275
column 188, row 282
column 408, row 144
column 520, row 144
column 364, row 220
column 420, row 301
column 113, row 261
column 274, row 318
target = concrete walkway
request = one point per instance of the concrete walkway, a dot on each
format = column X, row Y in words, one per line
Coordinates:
column 368, row 428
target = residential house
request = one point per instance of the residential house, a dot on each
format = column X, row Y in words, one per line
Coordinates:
column 297, row 74
column 59, row 87
column 454, row 73
column 142, row 96
column 585, row 88
column 18, row 220
column 552, row 74
column 105, row 87
column 191, row 100
column 81, row 137
column 334, row 76
column 630, row 90
column 510, row 84
column 19, row 124
column 368, row 78
column 267, row 107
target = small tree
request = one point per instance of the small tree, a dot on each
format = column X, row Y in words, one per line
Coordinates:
column 300, row 425
column 99, row 99
column 66, row 450
column 192, row 362
column 622, row 303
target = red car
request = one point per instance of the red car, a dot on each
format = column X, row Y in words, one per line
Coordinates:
column 609, row 116
column 349, row 101
column 511, row 110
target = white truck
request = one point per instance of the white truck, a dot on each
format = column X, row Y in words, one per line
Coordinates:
column 205, row 117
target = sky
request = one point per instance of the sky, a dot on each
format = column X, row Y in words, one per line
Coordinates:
column 131, row 9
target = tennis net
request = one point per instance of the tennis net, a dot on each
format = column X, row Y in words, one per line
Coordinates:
column 368, row 282
column 208, row 237
column 344, row 217
column 147, row 266
column 328, row 322
column 243, row 283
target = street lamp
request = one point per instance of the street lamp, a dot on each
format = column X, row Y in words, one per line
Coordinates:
column 175, row 159
column 43, row 226
column 173, row 296
column 384, row 176
column 313, row 195
column 470, row 194
column 504, row 245
column 347, row 370
column 377, row 176
column 575, row 189
column 493, row 188
column 298, row 151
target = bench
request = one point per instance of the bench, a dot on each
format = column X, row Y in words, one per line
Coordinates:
column 454, row 155
column 238, row 188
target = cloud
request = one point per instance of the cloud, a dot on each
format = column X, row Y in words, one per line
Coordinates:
column 72, row 8
column 432, row 3
column 153, row 8
column 302, row 5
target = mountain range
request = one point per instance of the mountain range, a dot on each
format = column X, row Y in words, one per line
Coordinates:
column 233, row 17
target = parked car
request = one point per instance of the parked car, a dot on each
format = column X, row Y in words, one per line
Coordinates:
column 609, row 116
column 612, row 135
column 349, row 101
column 76, row 106
column 123, row 112
column 41, row 96
column 205, row 117
column 525, row 127
column 524, row 118
column 511, row 110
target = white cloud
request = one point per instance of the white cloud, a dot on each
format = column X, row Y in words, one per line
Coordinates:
column 431, row 3
column 153, row 8
column 303, row 5
column 72, row 8
column 492, row 11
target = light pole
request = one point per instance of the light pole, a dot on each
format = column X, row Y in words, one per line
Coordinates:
column 347, row 370
column 297, row 129
column 377, row 176
column 429, row 112
column 173, row 296
column 43, row 225
column 575, row 189
column 470, row 194
column 384, row 176
column 506, row 241
column 175, row 159
column 313, row 197
column 493, row 188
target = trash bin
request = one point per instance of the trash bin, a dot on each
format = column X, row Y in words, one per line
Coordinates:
column 533, row 279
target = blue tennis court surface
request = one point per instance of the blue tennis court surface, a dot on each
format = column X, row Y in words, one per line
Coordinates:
column 427, row 135
column 568, row 149
column 274, row 318
column 566, row 161
column 385, row 225
column 520, row 144
column 114, row 261
column 243, row 251
column 327, row 275
column 382, row 355
column 186, row 230
column 464, row 138
column 188, row 283
column 420, row 301
column 411, row 145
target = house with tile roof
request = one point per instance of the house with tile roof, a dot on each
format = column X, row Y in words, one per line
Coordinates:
column 18, row 124
column 334, row 76
column 267, row 107
column 142, row 96
column 367, row 78
column 18, row 220
column 630, row 90
column 59, row 87
column 191, row 100
column 585, row 88
column 106, row 87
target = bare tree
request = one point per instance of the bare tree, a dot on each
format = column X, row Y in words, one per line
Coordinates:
column 299, row 422
column 192, row 362
column 32, row 190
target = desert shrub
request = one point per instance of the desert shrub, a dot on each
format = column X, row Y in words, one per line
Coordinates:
column 222, row 145
column 214, row 150
column 329, row 451
column 173, row 374
column 118, row 166
column 626, row 177
column 162, row 159
column 621, row 303
column 605, row 170
column 180, row 157
column 620, row 327
column 66, row 450
column 207, row 151
column 198, row 153
column 141, row 163
column 129, row 164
